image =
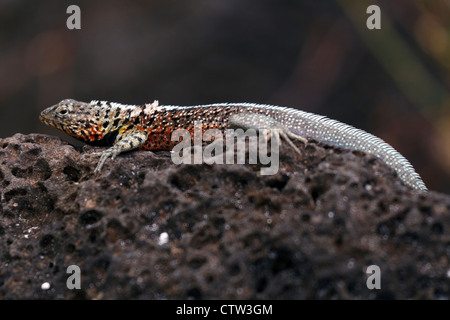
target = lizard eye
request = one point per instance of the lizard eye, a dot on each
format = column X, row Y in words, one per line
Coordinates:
column 63, row 112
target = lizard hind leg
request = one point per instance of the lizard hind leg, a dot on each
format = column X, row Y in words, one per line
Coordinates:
column 287, row 135
column 267, row 126
column 128, row 141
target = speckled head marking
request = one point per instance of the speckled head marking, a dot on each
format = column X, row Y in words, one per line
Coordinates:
column 97, row 122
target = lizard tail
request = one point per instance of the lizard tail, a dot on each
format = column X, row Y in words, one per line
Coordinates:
column 343, row 135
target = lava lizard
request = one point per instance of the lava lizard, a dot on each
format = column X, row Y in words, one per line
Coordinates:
column 149, row 127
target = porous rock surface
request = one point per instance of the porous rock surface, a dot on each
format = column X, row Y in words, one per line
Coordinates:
column 145, row 228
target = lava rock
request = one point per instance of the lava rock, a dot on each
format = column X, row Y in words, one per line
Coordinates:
column 145, row 228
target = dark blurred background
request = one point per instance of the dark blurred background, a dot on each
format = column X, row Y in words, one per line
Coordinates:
column 317, row 56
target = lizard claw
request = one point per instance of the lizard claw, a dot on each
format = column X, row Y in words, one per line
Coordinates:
column 281, row 132
column 268, row 126
column 109, row 153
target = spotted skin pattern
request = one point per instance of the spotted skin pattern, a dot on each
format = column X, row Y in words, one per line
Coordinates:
column 124, row 127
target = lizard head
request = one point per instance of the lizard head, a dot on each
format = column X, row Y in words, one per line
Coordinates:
column 93, row 122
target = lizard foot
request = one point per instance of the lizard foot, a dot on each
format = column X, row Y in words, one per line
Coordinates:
column 104, row 155
column 267, row 126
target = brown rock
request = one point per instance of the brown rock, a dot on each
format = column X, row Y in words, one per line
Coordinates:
column 146, row 228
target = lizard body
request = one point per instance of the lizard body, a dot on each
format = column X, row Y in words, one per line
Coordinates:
column 149, row 127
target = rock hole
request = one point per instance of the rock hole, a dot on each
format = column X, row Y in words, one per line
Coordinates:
column 73, row 174
column 42, row 169
column 197, row 262
column 90, row 217
column 22, row 173
column 15, row 193
column 194, row 293
column 261, row 284
column 437, row 228
column 34, row 152
column 47, row 240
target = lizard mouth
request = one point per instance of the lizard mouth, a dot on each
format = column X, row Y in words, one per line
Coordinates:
column 46, row 116
column 42, row 118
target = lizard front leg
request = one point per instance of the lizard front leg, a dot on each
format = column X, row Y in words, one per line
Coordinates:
column 266, row 125
column 127, row 141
